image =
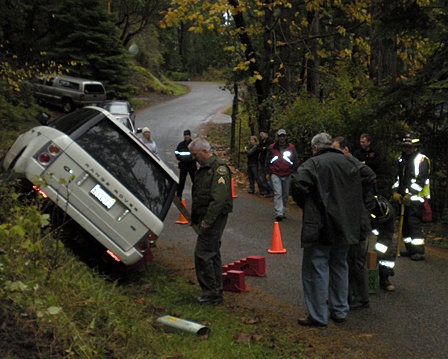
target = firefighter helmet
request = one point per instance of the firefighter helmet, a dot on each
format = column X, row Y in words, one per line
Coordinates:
column 382, row 211
column 410, row 140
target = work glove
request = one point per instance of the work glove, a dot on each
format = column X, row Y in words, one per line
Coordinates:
column 397, row 197
column 407, row 199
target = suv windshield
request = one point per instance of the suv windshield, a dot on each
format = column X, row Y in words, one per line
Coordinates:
column 120, row 108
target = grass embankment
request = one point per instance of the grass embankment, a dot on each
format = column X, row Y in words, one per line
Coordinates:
column 54, row 306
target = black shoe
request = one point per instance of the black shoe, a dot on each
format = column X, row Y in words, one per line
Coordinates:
column 308, row 322
column 279, row 218
column 405, row 254
column 356, row 306
column 251, row 192
column 389, row 287
column 418, row 257
column 338, row 320
column 210, row 299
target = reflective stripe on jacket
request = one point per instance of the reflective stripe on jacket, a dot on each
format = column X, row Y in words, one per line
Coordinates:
column 282, row 163
column 413, row 176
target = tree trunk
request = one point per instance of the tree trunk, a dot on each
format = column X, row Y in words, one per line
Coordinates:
column 313, row 64
column 383, row 58
column 262, row 116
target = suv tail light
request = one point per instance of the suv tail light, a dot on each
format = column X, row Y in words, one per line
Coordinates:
column 48, row 153
column 38, row 190
column 147, row 242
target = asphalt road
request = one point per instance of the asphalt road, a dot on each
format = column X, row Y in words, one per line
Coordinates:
column 408, row 323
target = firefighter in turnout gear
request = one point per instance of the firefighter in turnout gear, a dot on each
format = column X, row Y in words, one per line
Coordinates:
column 382, row 218
column 411, row 189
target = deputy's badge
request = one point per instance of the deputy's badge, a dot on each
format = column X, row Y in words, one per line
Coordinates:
column 221, row 180
column 222, row 170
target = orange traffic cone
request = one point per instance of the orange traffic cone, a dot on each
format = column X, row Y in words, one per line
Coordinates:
column 276, row 244
column 182, row 219
column 232, row 182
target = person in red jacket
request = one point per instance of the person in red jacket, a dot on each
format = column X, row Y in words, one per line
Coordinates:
column 281, row 161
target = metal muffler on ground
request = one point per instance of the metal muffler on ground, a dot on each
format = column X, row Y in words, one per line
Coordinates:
column 182, row 326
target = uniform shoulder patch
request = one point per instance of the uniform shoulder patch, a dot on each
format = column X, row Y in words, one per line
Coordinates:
column 222, row 170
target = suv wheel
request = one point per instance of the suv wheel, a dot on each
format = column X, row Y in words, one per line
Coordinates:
column 67, row 105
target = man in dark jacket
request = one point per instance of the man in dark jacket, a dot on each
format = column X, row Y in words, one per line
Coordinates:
column 366, row 154
column 329, row 190
column 357, row 255
column 263, row 149
column 212, row 202
column 187, row 165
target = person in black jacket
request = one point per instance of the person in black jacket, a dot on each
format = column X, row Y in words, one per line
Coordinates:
column 366, row 154
column 357, row 255
column 328, row 188
column 187, row 165
column 263, row 149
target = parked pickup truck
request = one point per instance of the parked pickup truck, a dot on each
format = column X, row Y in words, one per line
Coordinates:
column 68, row 92
column 100, row 174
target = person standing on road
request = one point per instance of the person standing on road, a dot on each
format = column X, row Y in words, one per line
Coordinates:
column 148, row 141
column 263, row 149
column 366, row 154
column 282, row 161
column 212, row 202
column 411, row 189
column 329, row 190
column 357, row 255
column 383, row 224
column 187, row 165
column 252, row 164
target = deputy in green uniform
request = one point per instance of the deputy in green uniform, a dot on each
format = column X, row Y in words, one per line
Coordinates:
column 212, row 202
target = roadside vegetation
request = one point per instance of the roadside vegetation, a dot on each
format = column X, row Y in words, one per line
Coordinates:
column 54, row 306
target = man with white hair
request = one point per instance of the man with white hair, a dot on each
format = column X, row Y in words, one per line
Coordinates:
column 328, row 188
column 212, row 203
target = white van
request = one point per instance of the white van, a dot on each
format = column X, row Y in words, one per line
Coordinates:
column 68, row 92
column 102, row 176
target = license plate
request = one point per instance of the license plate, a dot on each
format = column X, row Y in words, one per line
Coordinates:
column 101, row 195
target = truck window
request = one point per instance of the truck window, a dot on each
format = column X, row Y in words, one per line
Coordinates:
column 93, row 89
column 69, row 84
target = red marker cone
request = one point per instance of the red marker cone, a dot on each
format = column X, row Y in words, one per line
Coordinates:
column 182, row 219
column 276, row 243
column 233, row 188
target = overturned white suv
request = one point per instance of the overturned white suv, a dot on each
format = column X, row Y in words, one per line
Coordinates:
column 102, row 176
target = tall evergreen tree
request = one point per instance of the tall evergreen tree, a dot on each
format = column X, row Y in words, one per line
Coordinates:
column 84, row 39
